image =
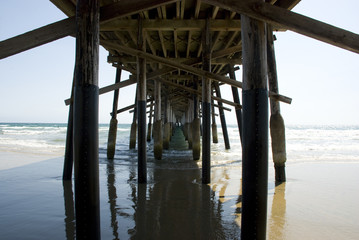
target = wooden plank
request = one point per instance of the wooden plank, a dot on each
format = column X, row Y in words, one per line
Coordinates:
column 292, row 21
column 193, row 70
column 129, row 7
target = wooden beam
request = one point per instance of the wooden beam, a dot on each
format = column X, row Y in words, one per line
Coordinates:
column 292, row 21
column 126, row 59
column 193, row 70
column 111, row 87
column 171, row 24
column 129, row 7
column 67, row 26
column 37, row 37
column 193, row 91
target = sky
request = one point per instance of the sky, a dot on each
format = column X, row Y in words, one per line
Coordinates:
column 322, row 80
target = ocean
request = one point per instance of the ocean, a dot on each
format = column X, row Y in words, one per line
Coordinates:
column 322, row 175
column 305, row 143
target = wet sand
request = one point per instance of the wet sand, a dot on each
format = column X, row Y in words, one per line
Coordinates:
column 318, row 201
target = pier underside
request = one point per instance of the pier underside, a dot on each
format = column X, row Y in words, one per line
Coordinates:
column 179, row 53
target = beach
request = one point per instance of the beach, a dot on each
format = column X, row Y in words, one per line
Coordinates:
column 317, row 201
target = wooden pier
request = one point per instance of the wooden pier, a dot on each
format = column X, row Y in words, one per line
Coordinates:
column 179, row 53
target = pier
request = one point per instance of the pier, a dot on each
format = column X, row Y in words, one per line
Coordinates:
column 179, row 53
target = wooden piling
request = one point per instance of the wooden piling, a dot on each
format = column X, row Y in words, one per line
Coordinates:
column 68, row 159
column 133, row 131
column 166, row 126
column 157, row 126
column 196, row 125
column 277, row 128
column 222, row 117
column 85, row 135
column 149, row 128
column 141, row 108
column 255, row 130
column 206, row 107
column 236, row 99
column 189, row 126
column 112, row 133
column 214, row 125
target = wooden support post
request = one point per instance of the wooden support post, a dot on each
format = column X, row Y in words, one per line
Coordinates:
column 185, row 125
column 68, row 159
column 189, row 126
column 157, row 126
column 133, row 131
column 141, row 108
column 236, row 99
column 222, row 117
column 149, row 128
column 85, row 135
column 166, row 126
column 277, row 128
column 196, row 125
column 255, row 130
column 112, row 132
column 214, row 125
column 206, row 107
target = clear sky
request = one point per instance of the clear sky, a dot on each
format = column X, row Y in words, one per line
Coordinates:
column 321, row 79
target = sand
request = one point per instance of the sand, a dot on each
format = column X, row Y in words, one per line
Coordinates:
column 318, row 201
column 10, row 160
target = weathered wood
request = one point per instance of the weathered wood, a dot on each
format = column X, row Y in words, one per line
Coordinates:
column 190, row 90
column 37, row 37
column 141, row 107
column 69, row 153
column 149, row 127
column 277, row 127
column 192, row 62
column 67, row 26
column 206, row 106
column 125, row 8
column 112, row 132
column 193, row 70
column 86, row 99
column 133, row 131
column 189, row 125
column 166, row 126
column 292, row 21
column 214, row 125
column 111, row 87
column 157, row 126
column 220, row 60
column 171, row 24
column 237, row 101
column 255, row 130
column 196, row 126
column 222, row 117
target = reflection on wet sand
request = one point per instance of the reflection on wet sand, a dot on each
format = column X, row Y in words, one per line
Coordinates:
column 277, row 219
column 112, row 197
column 174, row 204
column 69, row 210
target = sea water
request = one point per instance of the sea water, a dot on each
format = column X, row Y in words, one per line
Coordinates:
column 304, row 143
